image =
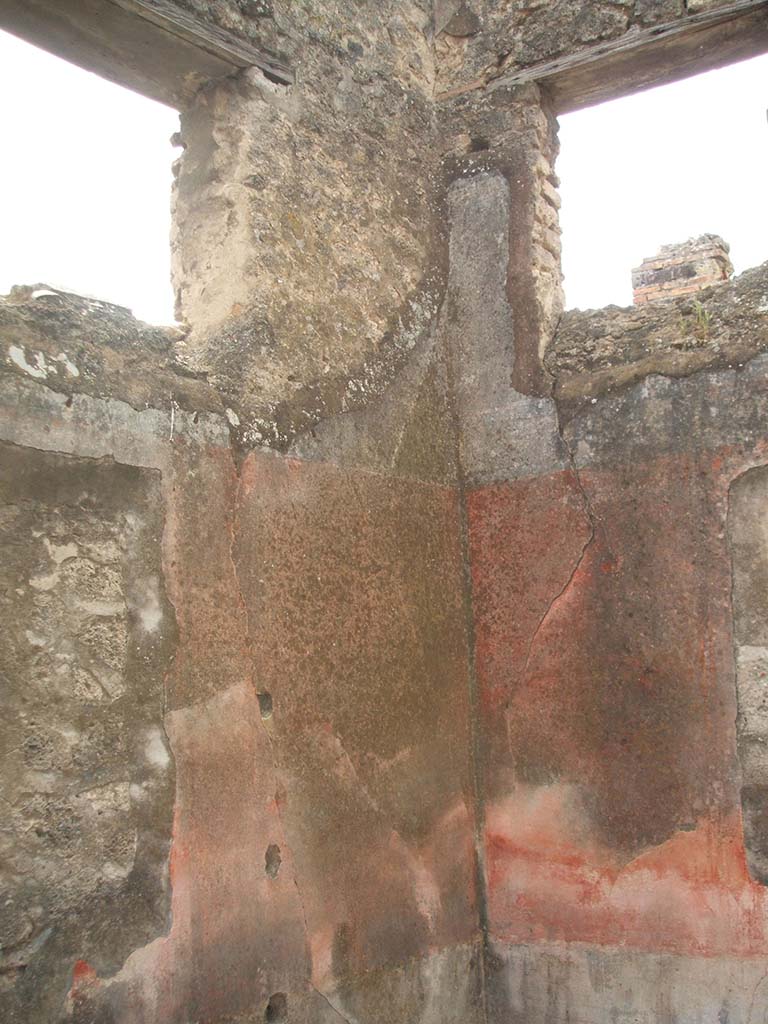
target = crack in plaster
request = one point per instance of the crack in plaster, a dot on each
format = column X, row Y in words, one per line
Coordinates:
column 560, row 595
column 755, row 990
column 588, row 509
column 335, row 1009
column 595, row 524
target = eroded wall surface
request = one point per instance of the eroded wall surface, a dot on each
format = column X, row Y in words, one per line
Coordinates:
column 88, row 777
column 475, row 43
column 623, row 814
column 310, row 698
column 384, row 644
column 306, row 241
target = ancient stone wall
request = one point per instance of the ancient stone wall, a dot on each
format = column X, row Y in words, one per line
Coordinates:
column 476, row 44
column 383, row 645
column 305, row 250
column 314, row 709
column 598, row 351
column 88, row 634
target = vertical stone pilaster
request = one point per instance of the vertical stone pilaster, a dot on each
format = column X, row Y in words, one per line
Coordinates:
column 511, row 133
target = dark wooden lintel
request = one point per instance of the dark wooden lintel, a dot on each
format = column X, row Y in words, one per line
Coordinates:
column 208, row 37
column 151, row 46
column 648, row 57
column 640, row 58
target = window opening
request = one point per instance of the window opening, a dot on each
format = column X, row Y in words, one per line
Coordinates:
column 84, row 184
column 676, row 163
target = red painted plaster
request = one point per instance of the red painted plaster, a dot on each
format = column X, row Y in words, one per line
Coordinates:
column 609, row 707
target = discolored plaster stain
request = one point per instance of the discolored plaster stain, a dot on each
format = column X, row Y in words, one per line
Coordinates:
column 155, row 749
column 609, row 737
column 38, row 368
column 85, row 874
column 61, row 552
column 18, row 356
column 146, row 604
column 368, row 259
column 747, row 516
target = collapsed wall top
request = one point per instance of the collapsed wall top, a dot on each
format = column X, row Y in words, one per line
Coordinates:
column 682, row 269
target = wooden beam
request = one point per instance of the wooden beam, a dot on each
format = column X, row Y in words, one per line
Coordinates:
column 207, row 37
column 649, row 57
column 641, row 58
column 149, row 46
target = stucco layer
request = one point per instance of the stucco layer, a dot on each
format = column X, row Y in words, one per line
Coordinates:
column 315, row 708
column 446, row 681
column 612, row 811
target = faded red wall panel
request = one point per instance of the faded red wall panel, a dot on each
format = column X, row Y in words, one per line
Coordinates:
column 608, row 701
column 340, row 595
column 352, row 585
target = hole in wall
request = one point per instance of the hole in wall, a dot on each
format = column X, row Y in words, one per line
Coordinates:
column 272, row 860
column 277, row 1009
column 265, row 704
column 660, row 167
column 85, row 184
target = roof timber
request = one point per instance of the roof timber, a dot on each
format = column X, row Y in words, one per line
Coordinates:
column 151, row 46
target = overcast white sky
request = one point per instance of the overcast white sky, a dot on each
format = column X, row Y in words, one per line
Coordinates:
column 659, row 167
column 85, row 181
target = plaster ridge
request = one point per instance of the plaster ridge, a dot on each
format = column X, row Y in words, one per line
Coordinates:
column 481, row 891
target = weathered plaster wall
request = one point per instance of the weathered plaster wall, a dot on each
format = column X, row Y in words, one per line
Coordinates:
column 615, row 851
column 306, row 257
column 418, row 591
column 87, row 636
column 315, row 701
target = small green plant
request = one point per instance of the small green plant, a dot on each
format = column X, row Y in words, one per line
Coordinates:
column 697, row 321
column 702, row 317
